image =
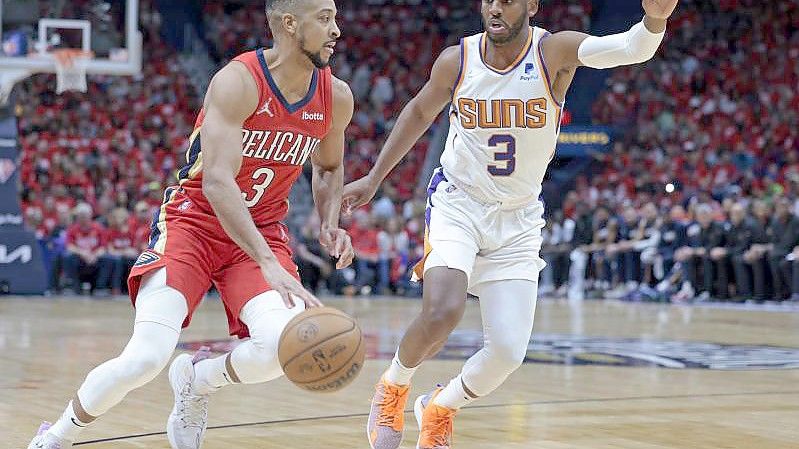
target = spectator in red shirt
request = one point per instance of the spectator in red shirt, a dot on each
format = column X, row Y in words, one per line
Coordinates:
column 364, row 241
column 86, row 257
column 121, row 247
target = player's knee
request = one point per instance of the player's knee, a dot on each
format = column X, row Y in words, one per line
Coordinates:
column 264, row 340
column 507, row 356
column 153, row 364
column 141, row 368
column 445, row 314
column 263, row 344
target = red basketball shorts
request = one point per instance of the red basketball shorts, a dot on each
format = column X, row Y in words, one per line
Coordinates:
column 197, row 252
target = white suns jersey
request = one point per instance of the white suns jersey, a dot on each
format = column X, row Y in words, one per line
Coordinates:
column 504, row 124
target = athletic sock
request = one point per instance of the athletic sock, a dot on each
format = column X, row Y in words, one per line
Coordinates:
column 397, row 373
column 453, row 396
column 211, row 375
column 68, row 427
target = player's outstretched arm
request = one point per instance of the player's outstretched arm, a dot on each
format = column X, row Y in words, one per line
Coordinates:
column 328, row 177
column 568, row 50
column 232, row 97
column 415, row 118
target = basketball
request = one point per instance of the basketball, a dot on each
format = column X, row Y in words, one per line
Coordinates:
column 322, row 350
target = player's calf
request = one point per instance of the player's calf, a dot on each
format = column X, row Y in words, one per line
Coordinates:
column 444, row 304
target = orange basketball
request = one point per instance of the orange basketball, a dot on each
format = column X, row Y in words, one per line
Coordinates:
column 322, row 350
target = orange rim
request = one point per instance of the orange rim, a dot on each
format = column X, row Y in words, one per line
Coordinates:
column 66, row 56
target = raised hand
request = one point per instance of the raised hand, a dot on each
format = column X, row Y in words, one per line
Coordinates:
column 659, row 9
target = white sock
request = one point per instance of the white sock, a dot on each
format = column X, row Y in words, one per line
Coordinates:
column 68, row 427
column 397, row 373
column 211, row 375
column 453, row 396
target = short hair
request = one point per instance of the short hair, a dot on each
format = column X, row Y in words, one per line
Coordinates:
column 272, row 5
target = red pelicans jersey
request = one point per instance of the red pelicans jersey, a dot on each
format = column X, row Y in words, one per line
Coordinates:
column 278, row 138
column 187, row 238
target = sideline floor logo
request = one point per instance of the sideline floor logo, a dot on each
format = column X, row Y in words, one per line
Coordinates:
column 582, row 350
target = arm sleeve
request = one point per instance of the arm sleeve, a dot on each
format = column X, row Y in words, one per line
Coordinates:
column 632, row 47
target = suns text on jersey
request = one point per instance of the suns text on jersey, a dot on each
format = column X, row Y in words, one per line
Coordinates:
column 279, row 146
column 504, row 113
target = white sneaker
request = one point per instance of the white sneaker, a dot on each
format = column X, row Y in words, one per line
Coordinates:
column 43, row 440
column 617, row 293
column 189, row 418
column 663, row 286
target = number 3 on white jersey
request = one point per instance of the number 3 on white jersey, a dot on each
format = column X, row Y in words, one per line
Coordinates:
column 269, row 175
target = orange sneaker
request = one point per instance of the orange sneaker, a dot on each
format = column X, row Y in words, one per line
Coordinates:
column 435, row 422
column 387, row 416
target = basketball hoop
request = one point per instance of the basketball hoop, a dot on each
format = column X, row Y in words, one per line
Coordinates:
column 70, row 69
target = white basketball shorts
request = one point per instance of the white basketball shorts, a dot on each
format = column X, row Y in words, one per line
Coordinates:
column 484, row 240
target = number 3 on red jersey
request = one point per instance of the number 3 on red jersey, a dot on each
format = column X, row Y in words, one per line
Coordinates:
column 268, row 176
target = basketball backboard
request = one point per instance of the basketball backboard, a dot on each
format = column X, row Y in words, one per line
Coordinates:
column 32, row 30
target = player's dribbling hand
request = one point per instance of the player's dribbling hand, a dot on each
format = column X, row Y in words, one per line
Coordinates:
column 358, row 193
column 287, row 285
column 659, row 9
column 338, row 244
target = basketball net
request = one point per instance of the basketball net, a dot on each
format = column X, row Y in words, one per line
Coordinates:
column 70, row 69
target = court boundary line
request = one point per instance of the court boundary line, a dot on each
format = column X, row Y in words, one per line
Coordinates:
column 509, row 404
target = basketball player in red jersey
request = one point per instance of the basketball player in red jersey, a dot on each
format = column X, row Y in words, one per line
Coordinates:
column 265, row 114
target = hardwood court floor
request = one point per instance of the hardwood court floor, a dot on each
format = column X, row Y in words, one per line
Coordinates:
column 615, row 375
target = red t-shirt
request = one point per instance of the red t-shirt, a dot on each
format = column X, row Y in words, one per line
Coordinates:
column 364, row 240
column 88, row 238
column 120, row 239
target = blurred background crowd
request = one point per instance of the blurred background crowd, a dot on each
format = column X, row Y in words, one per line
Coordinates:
column 697, row 198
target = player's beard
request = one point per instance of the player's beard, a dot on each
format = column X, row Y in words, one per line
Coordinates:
column 513, row 31
column 315, row 58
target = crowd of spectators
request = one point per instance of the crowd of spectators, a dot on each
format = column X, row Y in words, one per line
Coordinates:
column 717, row 111
column 739, row 249
column 706, row 133
column 708, row 137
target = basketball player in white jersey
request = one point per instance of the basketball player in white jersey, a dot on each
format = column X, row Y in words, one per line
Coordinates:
column 506, row 87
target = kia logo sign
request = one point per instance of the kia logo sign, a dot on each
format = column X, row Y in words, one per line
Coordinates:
column 22, row 254
column 7, row 168
column 14, row 219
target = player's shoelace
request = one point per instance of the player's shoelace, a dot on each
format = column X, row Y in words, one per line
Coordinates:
column 391, row 406
column 193, row 408
column 437, row 429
